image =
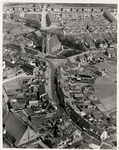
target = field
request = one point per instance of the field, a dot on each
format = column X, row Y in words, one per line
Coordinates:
column 105, row 90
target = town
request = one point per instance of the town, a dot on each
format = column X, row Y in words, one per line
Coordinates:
column 59, row 70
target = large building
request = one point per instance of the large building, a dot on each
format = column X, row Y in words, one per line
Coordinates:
column 53, row 44
column 51, row 21
column 17, row 133
column 110, row 17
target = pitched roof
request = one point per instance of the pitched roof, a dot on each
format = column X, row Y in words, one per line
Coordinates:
column 69, row 63
column 9, row 64
column 15, row 127
column 80, row 121
column 51, row 16
column 13, row 47
column 112, row 18
column 33, row 16
column 53, row 41
column 38, row 33
column 106, row 36
column 112, row 51
column 101, row 55
column 96, row 129
column 42, row 89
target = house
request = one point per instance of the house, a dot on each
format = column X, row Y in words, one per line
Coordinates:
column 113, row 36
column 50, row 17
column 16, row 132
column 79, row 96
column 82, row 123
column 101, row 56
column 33, row 16
column 42, row 91
column 5, row 98
column 28, row 68
column 54, row 44
column 12, row 47
column 106, row 37
column 69, row 63
column 111, row 52
column 97, row 39
column 38, row 33
column 11, row 70
column 98, row 133
column 109, row 17
column 81, row 58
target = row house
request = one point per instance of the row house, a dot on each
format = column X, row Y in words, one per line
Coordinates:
column 32, row 8
column 89, row 41
column 75, row 9
column 92, row 130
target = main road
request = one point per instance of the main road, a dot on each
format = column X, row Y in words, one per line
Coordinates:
column 52, row 75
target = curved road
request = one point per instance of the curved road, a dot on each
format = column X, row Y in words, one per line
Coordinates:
column 53, row 86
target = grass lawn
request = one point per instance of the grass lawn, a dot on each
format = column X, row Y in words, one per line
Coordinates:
column 12, row 85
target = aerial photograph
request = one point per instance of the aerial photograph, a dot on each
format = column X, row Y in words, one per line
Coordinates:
column 59, row 75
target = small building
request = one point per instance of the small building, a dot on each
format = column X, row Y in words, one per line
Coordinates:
column 106, row 37
column 38, row 33
column 28, row 68
column 111, row 52
column 17, row 104
column 33, row 16
column 79, row 96
column 101, row 56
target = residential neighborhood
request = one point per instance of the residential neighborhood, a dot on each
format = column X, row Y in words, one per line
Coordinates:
column 59, row 76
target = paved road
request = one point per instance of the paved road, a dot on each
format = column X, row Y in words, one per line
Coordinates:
column 53, row 86
column 18, row 76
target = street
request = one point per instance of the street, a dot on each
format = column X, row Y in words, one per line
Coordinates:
column 43, row 21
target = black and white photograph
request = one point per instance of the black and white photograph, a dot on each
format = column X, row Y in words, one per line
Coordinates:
column 59, row 75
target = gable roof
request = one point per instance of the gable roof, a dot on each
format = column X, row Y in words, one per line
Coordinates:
column 53, row 41
column 69, row 63
column 51, row 16
column 42, row 89
column 111, row 51
column 38, row 33
column 10, row 65
column 80, row 121
column 12, row 47
column 15, row 127
column 97, row 129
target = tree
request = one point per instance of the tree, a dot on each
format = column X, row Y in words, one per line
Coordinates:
column 78, row 59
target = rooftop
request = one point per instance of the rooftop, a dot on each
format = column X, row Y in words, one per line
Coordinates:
column 53, row 41
column 14, row 125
